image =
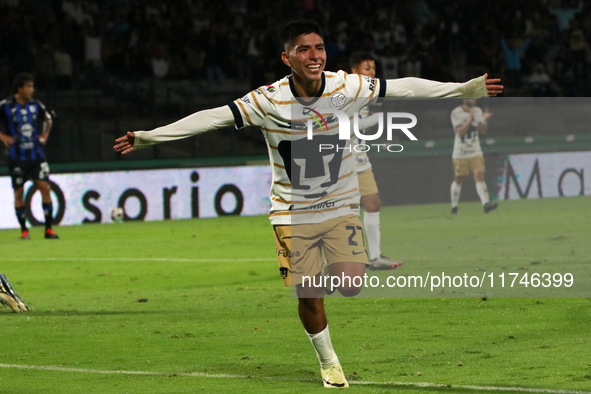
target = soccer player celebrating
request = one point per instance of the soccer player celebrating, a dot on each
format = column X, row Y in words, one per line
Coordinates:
column 469, row 122
column 24, row 129
column 363, row 63
column 308, row 220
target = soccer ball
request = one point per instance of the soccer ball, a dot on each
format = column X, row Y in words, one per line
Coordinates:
column 117, row 215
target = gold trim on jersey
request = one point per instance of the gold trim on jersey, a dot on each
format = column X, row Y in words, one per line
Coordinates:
column 360, row 86
column 316, row 201
column 346, row 175
column 277, row 101
column 334, row 91
column 278, row 165
column 245, row 112
column 282, row 184
column 254, row 96
column 346, row 157
column 288, row 132
column 302, row 132
column 309, row 211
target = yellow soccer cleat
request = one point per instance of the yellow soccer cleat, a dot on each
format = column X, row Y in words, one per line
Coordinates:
column 9, row 297
column 333, row 377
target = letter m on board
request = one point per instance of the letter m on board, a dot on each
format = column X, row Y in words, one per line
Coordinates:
column 535, row 173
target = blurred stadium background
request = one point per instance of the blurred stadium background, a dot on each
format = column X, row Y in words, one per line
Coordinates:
column 109, row 66
column 106, row 67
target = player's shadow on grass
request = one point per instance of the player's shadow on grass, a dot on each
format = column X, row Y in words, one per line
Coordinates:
column 97, row 313
column 432, row 388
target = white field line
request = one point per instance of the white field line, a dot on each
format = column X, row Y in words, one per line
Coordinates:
column 149, row 259
column 227, row 376
column 262, row 259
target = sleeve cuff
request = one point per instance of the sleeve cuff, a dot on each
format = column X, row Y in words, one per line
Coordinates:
column 237, row 115
column 382, row 92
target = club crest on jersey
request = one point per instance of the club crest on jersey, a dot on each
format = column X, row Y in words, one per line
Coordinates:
column 270, row 88
column 338, row 100
column 27, row 130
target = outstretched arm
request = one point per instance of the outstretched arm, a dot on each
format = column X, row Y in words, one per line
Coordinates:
column 197, row 123
column 418, row 87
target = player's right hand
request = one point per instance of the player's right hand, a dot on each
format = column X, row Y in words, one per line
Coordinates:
column 124, row 144
column 7, row 139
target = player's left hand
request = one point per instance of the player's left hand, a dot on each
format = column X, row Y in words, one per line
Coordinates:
column 124, row 144
column 43, row 139
column 492, row 86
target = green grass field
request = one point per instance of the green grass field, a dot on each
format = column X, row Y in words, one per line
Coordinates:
column 199, row 306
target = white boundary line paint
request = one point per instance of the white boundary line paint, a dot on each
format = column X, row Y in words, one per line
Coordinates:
column 153, row 259
column 262, row 259
column 227, row 376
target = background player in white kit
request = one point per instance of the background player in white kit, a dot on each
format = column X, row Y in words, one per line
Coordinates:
column 469, row 122
column 363, row 63
column 270, row 107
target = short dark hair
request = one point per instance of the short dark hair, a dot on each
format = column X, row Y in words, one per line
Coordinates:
column 20, row 80
column 356, row 58
column 294, row 29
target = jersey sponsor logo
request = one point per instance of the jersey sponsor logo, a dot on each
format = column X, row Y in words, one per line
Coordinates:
column 338, row 100
column 372, row 82
column 258, row 91
column 27, row 145
column 27, row 130
column 245, row 99
column 322, row 205
column 286, row 253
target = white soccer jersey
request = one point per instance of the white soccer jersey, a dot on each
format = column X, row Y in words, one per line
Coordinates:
column 308, row 186
column 362, row 162
column 468, row 145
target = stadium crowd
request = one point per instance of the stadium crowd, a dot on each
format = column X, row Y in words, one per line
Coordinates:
column 539, row 47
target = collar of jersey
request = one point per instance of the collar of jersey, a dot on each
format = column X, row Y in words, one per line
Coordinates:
column 297, row 96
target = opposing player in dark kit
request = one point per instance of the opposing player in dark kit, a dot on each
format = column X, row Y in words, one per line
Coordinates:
column 24, row 129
